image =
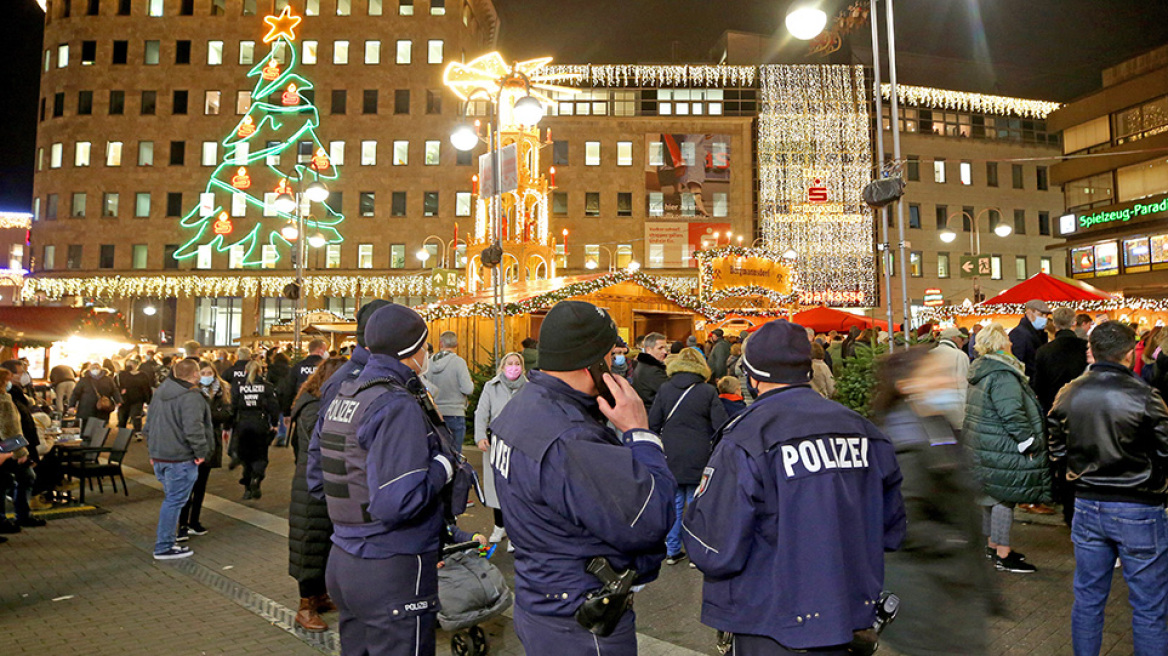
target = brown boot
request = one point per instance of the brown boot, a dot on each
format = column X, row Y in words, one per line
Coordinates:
column 308, row 618
column 324, row 603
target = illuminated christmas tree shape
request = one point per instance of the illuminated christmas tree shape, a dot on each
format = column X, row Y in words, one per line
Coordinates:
column 236, row 208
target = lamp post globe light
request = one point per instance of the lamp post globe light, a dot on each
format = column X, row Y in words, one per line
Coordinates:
column 1003, row 230
column 285, row 203
column 948, row 236
column 149, row 310
column 290, row 231
column 422, row 255
column 464, row 138
column 316, row 191
column 805, row 20
column 528, row 110
column 316, row 240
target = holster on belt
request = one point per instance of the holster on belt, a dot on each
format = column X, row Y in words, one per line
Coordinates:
column 602, row 610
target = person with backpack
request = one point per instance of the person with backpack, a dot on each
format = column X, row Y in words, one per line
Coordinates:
column 686, row 412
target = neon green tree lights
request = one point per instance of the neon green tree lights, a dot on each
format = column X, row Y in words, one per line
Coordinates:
column 273, row 149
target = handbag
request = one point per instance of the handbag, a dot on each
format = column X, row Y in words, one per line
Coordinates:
column 104, row 403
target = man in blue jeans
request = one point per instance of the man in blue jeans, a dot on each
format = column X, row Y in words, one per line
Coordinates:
column 1112, row 431
column 178, row 437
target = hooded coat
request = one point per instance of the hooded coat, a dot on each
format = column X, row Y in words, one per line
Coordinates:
column 687, row 425
column 451, row 382
column 309, row 528
column 1005, row 429
column 497, row 392
column 9, row 417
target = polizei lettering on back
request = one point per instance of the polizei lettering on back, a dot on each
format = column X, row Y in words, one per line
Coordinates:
column 501, row 456
column 342, row 410
column 821, row 454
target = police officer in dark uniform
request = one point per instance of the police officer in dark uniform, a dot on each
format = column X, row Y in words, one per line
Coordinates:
column 235, row 375
column 256, row 413
column 573, row 490
column 386, row 467
column 301, row 371
column 795, row 509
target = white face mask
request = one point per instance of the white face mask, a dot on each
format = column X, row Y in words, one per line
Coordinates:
column 424, row 365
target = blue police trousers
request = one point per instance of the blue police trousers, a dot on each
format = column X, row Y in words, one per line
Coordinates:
column 563, row 636
column 389, row 606
column 753, row 645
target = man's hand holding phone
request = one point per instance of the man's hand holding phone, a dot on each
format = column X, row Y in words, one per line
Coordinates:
column 628, row 413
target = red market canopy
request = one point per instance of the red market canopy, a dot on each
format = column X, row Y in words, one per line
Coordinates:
column 1046, row 287
column 824, row 319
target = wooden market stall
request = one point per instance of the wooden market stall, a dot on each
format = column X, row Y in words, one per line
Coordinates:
column 638, row 304
column 48, row 336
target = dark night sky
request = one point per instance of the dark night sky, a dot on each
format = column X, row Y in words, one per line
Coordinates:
column 1050, row 49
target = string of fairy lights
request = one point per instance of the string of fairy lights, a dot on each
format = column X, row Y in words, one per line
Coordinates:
column 185, row 285
column 814, row 158
column 638, row 75
column 1125, row 305
column 979, row 103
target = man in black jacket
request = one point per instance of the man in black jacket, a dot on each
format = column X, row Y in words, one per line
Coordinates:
column 1056, row 364
column 301, row 371
column 1029, row 334
column 650, row 372
column 1112, row 431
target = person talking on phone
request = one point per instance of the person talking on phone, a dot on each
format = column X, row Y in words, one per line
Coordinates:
column 573, row 490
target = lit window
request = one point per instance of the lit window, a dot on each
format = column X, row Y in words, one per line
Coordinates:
column 332, row 256
column 401, row 153
column 138, row 256
column 1045, row 265
column 269, row 256
column 343, row 7
column 462, row 203
column 242, row 102
column 211, row 103
column 145, row 153
column 246, row 53
column 151, row 55
column 592, row 153
column 337, row 153
column 142, row 205
column 939, row 171
column 214, row 53
column 81, row 153
column 405, row 51
column 624, row 255
column 63, row 55
column 56, row 152
column 656, row 203
column 368, row 153
column 432, row 150
column 340, row 52
column 239, row 204
column 916, row 267
column 397, row 255
column 942, row 265
column 624, row 153
column 312, row 7
column 996, row 267
column 433, row 52
column 235, row 256
column 721, row 203
column 270, row 204
column 374, row 7
column 656, row 256
column 405, row 8
column 372, row 52
column 966, row 169
column 203, row 257
column 155, row 8
column 113, row 153
column 309, row 56
column 1020, row 267
column 79, row 205
column 437, row 7
column 365, row 256
column 210, row 153
column 656, row 153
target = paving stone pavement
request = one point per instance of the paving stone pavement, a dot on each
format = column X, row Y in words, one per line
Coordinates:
column 88, row 585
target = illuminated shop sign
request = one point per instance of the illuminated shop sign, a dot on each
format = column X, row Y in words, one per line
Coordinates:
column 1135, row 211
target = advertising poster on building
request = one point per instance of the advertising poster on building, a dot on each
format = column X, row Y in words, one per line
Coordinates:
column 671, row 244
column 687, row 174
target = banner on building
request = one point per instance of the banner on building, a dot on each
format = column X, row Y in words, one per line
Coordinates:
column 671, row 244
column 687, row 174
column 735, row 272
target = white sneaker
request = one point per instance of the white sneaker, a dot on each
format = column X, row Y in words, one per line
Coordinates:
column 498, row 534
column 173, row 553
column 510, row 547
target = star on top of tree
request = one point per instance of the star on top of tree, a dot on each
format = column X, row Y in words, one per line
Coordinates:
column 282, row 25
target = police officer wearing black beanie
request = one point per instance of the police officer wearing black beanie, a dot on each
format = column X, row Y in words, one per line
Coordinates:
column 572, row 489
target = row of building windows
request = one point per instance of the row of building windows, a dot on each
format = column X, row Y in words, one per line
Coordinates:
column 341, row 52
column 1129, row 183
column 1146, row 119
column 947, row 123
column 944, row 216
column 180, row 102
column 916, row 266
column 942, row 167
column 158, row 8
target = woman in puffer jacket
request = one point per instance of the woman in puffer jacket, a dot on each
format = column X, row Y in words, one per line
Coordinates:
column 686, row 413
column 1004, row 428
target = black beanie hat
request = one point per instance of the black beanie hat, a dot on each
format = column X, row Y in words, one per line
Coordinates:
column 397, row 331
column 363, row 315
column 575, row 335
column 778, row 353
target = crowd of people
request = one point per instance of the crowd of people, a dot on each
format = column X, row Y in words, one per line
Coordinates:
column 728, row 454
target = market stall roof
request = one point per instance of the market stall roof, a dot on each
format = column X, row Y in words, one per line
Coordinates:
column 1046, row 287
column 824, row 319
column 48, row 324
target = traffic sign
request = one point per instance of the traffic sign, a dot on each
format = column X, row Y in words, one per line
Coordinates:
column 976, row 266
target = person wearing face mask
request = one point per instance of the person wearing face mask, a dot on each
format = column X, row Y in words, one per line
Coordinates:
column 1004, row 429
column 218, row 394
column 950, row 353
column 940, row 568
column 95, row 395
column 386, row 467
column 496, row 394
column 1029, row 334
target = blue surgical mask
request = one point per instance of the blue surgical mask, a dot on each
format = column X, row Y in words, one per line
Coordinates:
column 1039, row 323
column 206, row 381
column 618, row 360
column 8, row 386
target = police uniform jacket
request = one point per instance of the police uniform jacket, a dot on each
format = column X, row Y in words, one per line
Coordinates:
column 236, row 375
column 797, row 505
column 571, row 490
column 348, row 371
column 402, row 471
column 301, row 371
column 255, row 404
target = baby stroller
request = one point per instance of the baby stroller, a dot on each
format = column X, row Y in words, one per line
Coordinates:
column 470, row 590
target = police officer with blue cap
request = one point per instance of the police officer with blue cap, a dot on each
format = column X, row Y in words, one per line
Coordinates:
column 386, row 467
column 796, row 507
column 587, row 509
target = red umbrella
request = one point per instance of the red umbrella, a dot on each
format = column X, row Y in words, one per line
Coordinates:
column 824, row 319
column 1046, row 287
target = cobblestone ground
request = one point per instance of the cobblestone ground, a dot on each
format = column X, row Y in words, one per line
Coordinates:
column 88, row 585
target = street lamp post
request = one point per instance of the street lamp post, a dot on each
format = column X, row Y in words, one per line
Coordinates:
column 592, row 264
column 447, row 246
column 949, row 236
column 287, row 203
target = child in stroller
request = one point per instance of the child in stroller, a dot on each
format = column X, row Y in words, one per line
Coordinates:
column 470, row 590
